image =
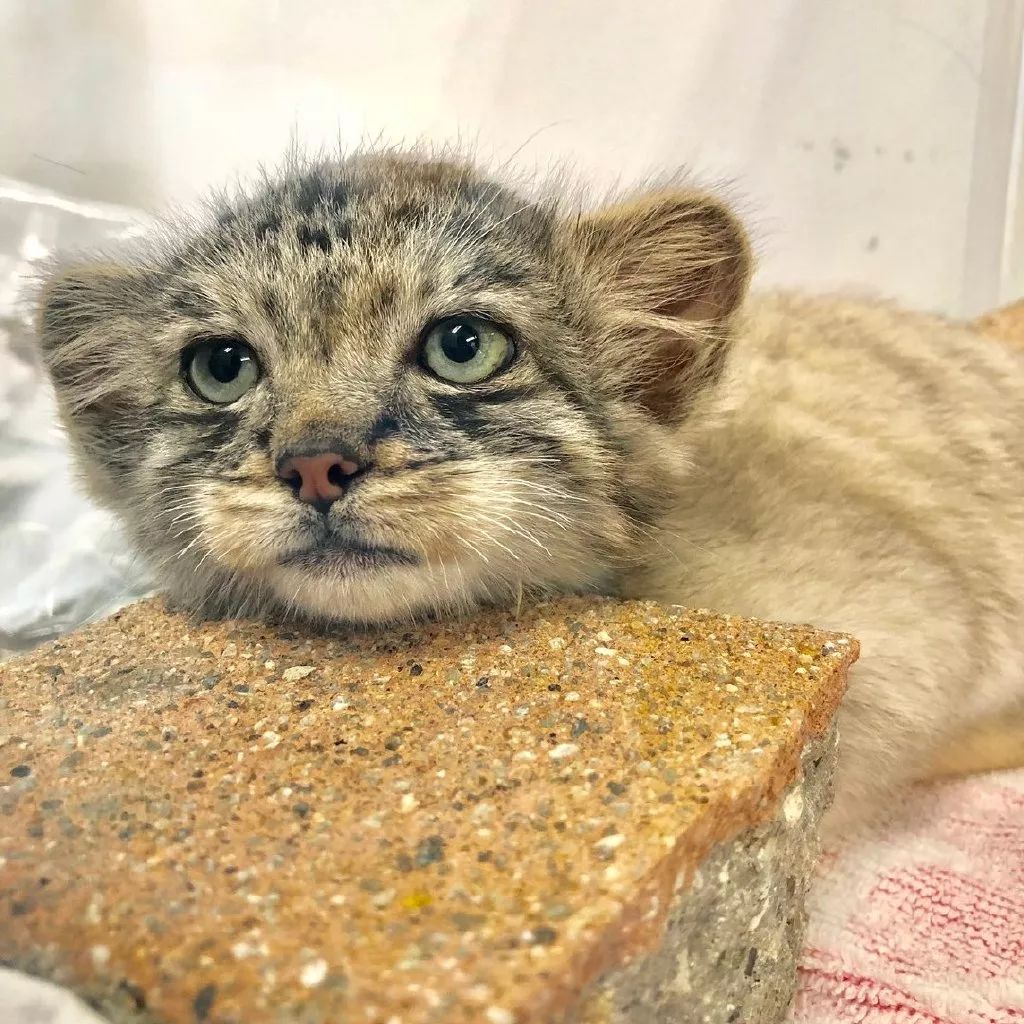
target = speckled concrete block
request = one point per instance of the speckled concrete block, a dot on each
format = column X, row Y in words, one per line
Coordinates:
column 593, row 812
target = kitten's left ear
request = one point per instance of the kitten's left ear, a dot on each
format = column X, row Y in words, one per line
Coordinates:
column 87, row 324
column 667, row 271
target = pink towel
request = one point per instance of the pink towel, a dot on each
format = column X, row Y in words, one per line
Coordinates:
column 921, row 921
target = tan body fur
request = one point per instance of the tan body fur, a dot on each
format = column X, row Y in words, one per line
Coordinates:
column 992, row 745
column 648, row 430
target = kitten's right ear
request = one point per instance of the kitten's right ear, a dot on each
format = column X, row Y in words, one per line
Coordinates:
column 84, row 310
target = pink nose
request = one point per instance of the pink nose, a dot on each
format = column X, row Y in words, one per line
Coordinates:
column 318, row 479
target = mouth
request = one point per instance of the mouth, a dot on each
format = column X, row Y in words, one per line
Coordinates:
column 336, row 555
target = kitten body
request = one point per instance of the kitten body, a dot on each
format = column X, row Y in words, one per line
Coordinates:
column 645, row 429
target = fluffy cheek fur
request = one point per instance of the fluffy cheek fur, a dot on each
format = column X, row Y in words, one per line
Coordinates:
column 247, row 522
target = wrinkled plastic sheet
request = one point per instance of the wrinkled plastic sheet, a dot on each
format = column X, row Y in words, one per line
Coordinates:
column 63, row 561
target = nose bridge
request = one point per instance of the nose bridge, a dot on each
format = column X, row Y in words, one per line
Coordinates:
column 313, row 418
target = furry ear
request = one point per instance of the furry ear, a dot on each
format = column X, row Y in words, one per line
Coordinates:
column 665, row 274
column 85, row 314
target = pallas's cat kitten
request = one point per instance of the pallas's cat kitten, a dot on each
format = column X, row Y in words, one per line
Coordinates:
column 387, row 386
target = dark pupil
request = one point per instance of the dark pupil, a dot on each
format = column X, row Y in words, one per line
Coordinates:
column 225, row 362
column 460, row 341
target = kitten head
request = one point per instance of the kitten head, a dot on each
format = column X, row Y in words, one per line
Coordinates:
column 387, row 386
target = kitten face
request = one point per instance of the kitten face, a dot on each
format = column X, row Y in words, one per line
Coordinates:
column 386, row 386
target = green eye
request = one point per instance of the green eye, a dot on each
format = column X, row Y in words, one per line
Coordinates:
column 221, row 370
column 465, row 350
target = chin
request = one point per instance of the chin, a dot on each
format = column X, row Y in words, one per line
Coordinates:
column 370, row 589
column 379, row 586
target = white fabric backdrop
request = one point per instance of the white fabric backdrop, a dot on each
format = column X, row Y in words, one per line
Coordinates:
column 872, row 139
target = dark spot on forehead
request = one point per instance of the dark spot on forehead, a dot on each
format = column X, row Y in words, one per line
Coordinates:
column 310, row 237
column 491, row 274
column 190, row 302
column 386, row 295
column 318, row 189
column 408, row 212
column 479, row 192
column 270, row 304
column 311, row 191
column 268, row 224
column 506, row 274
